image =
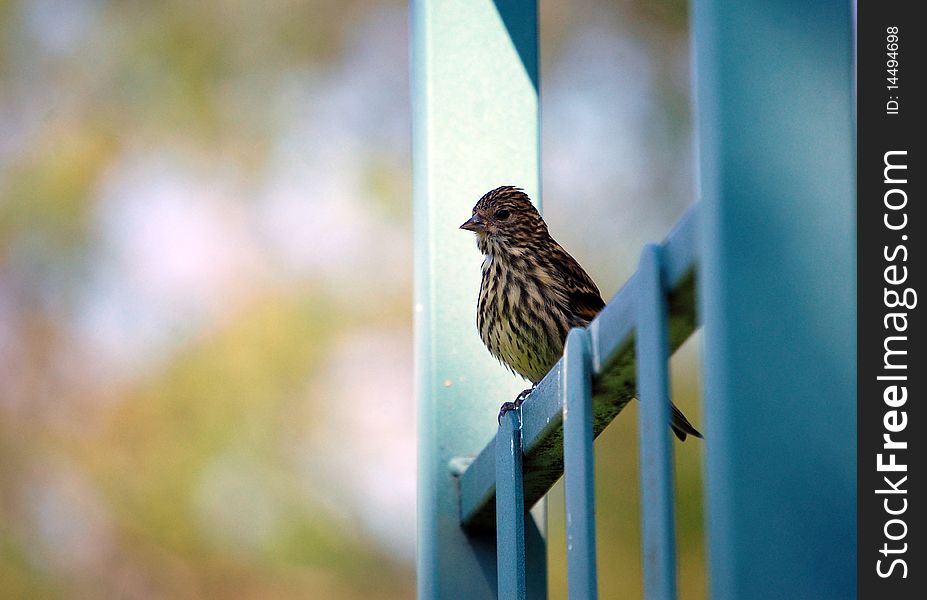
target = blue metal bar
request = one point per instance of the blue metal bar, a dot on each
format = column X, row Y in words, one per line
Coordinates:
column 579, row 467
column 777, row 292
column 656, row 450
column 475, row 127
column 613, row 371
column 510, row 509
column 535, row 555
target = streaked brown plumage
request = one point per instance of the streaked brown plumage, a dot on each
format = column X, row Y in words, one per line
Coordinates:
column 532, row 292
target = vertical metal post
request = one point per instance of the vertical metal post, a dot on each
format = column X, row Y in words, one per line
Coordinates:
column 475, row 127
column 510, row 509
column 778, row 295
column 579, row 467
column 656, row 450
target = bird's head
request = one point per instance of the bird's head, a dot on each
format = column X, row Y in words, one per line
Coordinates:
column 506, row 216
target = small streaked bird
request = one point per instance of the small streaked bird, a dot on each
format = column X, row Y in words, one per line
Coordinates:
column 532, row 292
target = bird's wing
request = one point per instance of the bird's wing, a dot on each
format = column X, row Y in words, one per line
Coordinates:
column 586, row 304
column 583, row 297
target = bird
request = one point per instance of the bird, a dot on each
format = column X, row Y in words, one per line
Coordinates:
column 532, row 292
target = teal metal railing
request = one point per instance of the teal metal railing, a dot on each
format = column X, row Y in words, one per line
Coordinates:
column 766, row 255
column 475, row 124
column 777, row 294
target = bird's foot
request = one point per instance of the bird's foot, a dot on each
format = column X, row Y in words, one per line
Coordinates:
column 519, row 400
column 523, row 395
column 506, row 407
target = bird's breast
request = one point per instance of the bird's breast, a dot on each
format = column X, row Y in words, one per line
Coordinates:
column 519, row 318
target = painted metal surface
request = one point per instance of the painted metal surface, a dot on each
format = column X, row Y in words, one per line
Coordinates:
column 777, row 291
column 510, row 509
column 579, row 467
column 656, row 450
column 475, row 127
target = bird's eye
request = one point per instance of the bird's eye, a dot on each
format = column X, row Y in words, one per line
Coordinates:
column 502, row 214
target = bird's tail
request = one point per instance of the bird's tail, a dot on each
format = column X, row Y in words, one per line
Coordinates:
column 681, row 425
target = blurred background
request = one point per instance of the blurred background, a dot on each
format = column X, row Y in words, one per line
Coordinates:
column 205, row 287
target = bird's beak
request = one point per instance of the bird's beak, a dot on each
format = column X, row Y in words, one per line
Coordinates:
column 474, row 224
